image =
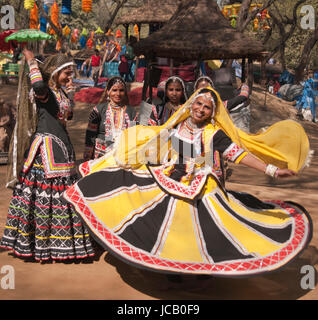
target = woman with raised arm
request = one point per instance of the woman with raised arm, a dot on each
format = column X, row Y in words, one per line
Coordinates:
column 158, row 199
column 40, row 223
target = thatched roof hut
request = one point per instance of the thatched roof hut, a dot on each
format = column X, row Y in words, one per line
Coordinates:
column 199, row 31
column 83, row 54
column 153, row 11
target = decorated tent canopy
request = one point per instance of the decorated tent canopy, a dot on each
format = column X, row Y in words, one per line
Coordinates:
column 199, row 31
column 83, row 54
column 153, row 11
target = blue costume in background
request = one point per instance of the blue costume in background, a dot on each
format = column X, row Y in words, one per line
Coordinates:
column 316, row 80
column 307, row 100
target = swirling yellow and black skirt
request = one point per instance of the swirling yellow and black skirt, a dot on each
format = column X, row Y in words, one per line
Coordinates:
column 218, row 232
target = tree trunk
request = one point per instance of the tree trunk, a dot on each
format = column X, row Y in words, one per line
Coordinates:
column 114, row 14
column 263, row 79
column 281, row 23
column 243, row 79
column 170, row 67
column 305, row 56
column 282, row 55
column 21, row 15
column 243, row 15
column 250, row 77
column 126, row 25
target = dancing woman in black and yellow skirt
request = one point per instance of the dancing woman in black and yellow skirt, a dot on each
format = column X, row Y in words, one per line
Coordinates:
column 158, row 200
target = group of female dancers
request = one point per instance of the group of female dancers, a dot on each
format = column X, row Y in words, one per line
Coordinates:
column 153, row 195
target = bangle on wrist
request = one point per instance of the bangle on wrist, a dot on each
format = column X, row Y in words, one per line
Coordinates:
column 271, row 170
column 33, row 64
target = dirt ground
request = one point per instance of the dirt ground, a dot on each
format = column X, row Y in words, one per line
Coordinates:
column 107, row 278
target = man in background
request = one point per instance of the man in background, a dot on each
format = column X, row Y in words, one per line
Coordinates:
column 130, row 56
column 95, row 64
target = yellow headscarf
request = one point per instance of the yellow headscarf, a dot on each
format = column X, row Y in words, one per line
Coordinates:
column 284, row 144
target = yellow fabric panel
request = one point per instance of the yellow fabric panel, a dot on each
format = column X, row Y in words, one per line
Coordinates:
column 102, row 163
column 210, row 185
column 181, row 242
column 284, row 144
column 254, row 243
column 137, row 144
column 271, row 217
column 111, row 162
column 122, row 205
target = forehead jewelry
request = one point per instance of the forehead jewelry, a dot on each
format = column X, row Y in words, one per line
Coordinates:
column 118, row 81
column 67, row 64
column 207, row 96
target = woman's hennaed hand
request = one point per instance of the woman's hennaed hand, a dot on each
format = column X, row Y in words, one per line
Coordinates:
column 285, row 173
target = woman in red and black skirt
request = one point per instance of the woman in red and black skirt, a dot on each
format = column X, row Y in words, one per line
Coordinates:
column 40, row 223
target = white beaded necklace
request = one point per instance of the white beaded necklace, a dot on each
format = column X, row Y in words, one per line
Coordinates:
column 111, row 129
